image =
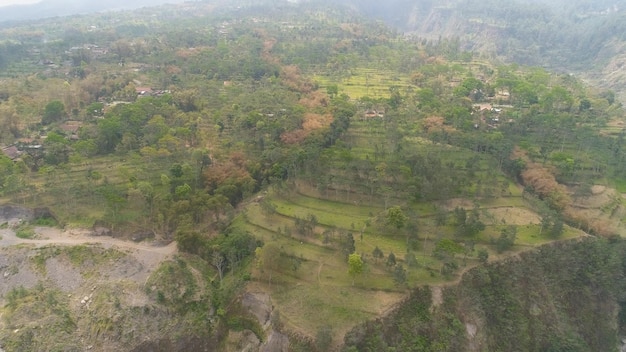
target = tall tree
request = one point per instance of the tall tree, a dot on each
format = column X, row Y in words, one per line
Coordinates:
column 268, row 258
column 355, row 266
column 53, row 112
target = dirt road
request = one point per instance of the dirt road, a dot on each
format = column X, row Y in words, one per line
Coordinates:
column 148, row 254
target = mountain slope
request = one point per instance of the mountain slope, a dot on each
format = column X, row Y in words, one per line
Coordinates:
column 561, row 297
column 579, row 36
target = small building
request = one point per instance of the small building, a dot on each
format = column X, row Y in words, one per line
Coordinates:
column 371, row 114
column 482, row 107
column 71, row 128
column 143, row 91
column 12, row 152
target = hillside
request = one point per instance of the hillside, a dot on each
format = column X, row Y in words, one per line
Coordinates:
column 582, row 37
column 271, row 177
column 557, row 298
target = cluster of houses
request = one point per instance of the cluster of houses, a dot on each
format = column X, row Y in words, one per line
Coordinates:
column 149, row 92
column 34, row 147
column 372, row 113
column 95, row 50
column 15, row 151
column 489, row 113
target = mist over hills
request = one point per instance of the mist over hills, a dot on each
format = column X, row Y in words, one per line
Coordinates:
column 54, row 8
column 585, row 37
column 527, row 31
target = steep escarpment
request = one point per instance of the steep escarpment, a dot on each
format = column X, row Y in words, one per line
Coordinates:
column 560, row 297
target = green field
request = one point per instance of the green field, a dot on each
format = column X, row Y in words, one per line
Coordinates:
column 365, row 82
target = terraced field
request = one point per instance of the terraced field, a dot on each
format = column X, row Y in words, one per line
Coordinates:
column 74, row 190
column 370, row 82
column 307, row 293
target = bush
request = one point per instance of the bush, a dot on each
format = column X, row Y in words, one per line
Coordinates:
column 25, row 232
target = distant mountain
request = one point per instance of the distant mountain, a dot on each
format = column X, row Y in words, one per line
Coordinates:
column 535, row 32
column 54, row 8
column 585, row 36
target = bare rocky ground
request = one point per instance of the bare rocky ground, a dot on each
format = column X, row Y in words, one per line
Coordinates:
column 105, row 285
column 139, row 261
column 97, row 280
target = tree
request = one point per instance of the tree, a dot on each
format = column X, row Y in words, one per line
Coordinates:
column 355, row 266
column 190, row 241
column 56, row 149
column 441, row 216
column 377, row 253
column 396, row 218
column 483, row 255
column 219, row 262
column 347, row 243
column 399, row 275
column 448, row 268
column 447, row 248
column 557, row 228
column 267, row 207
column 411, row 260
column 53, row 112
column 182, row 191
column 468, row 225
column 391, row 259
column 176, row 170
column 474, row 224
column 202, row 159
column 268, row 258
column 553, row 223
column 460, row 217
column 332, row 90
column 506, row 239
column 109, row 134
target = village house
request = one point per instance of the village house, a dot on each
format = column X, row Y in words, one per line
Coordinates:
column 372, row 113
column 71, row 128
column 12, row 152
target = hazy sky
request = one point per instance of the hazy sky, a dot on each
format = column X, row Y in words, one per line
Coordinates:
column 17, row 2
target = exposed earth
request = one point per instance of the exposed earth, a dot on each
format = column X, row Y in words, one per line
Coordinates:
column 100, row 281
column 140, row 260
column 106, row 285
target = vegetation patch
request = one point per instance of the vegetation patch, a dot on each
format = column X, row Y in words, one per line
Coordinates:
column 29, row 309
column 25, row 231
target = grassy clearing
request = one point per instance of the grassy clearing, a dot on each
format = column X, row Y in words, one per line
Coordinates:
column 365, row 82
column 620, row 185
column 329, row 217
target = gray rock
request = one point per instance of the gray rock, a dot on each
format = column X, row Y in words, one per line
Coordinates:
column 259, row 304
column 276, row 342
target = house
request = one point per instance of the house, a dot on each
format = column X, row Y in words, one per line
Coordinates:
column 371, row 113
column 143, row 91
column 70, row 128
column 482, row 106
column 12, row 152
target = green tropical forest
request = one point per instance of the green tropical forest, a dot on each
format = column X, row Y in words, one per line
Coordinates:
column 314, row 176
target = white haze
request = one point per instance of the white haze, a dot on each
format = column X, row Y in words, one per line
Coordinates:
column 17, row 2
